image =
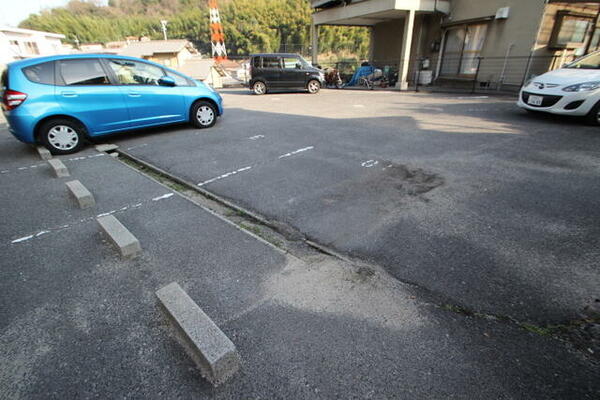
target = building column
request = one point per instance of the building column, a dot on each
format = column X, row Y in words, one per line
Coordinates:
column 409, row 24
column 314, row 39
column 371, row 44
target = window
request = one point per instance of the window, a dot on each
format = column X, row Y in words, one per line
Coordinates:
column 455, row 39
column 590, row 62
column 136, row 73
column 462, row 49
column 14, row 46
column 472, row 49
column 256, row 62
column 570, row 30
column 32, row 48
column 290, row 62
column 271, row 62
column 4, row 84
column 82, row 72
column 595, row 41
column 179, row 80
column 41, row 73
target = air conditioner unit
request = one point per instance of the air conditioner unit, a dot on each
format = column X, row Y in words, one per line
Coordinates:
column 503, row 13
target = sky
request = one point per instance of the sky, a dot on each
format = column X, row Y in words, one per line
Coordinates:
column 14, row 11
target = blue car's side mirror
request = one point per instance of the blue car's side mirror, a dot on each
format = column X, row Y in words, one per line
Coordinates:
column 166, row 81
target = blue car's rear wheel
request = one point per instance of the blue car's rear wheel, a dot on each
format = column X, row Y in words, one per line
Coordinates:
column 203, row 114
column 62, row 136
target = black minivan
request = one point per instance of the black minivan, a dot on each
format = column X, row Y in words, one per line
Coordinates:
column 283, row 71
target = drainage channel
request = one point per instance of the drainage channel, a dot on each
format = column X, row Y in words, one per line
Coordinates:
column 289, row 240
column 278, row 234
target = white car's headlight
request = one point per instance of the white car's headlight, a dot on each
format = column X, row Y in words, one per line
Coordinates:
column 583, row 87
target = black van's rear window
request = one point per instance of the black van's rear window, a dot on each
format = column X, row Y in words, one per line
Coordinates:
column 40, row 73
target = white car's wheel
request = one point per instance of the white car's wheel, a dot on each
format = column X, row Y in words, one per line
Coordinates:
column 593, row 117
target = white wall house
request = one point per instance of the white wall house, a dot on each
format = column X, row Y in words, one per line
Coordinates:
column 17, row 44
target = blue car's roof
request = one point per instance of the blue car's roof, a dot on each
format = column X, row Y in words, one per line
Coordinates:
column 37, row 60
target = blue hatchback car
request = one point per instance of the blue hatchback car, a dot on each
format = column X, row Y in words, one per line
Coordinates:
column 62, row 101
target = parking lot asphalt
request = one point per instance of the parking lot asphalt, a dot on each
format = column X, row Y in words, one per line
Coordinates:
column 77, row 321
column 468, row 197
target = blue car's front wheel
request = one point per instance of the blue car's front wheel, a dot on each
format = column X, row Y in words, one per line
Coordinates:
column 62, row 136
column 203, row 114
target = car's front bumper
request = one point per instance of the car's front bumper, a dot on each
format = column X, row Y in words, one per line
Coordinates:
column 559, row 102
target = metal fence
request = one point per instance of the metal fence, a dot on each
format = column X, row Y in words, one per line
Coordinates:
column 493, row 73
column 476, row 74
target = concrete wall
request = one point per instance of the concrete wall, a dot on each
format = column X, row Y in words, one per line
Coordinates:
column 516, row 37
column 520, row 33
column 520, row 29
column 171, row 60
column 388, row 41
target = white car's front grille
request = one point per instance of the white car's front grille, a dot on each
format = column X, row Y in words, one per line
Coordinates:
column 542, row 85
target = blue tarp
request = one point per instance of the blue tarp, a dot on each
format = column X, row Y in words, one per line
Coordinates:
column 362, row 71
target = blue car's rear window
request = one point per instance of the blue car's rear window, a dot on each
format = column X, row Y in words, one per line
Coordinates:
column 41, row 73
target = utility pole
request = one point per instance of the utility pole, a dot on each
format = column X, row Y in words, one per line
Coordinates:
column 163, row 24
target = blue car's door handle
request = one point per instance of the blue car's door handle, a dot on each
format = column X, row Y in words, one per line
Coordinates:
column 68, row 94
column 134, row 94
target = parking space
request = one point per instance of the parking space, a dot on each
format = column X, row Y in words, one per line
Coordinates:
column 74, row 312
column 466, row 196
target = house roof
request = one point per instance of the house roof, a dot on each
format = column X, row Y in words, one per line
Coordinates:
column 150, row 47
column 230, row 64
column 197, row 68
column 31, row 32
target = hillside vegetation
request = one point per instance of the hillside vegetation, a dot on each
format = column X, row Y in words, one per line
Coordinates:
column 250, row 25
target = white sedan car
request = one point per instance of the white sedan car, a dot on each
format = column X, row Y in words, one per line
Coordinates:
column 571, row 90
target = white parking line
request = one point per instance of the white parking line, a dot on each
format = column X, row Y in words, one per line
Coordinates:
column 137, row 147
column 85, row 157
column 218, row 178
column 88, row 219
column 256, row 137
column 472, row 97
column 6, row 171
column 237, row 171
column 164, row 196
column 296, row 152
column 369, row 163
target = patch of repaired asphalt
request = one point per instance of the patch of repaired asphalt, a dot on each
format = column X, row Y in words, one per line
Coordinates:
column 401, row 182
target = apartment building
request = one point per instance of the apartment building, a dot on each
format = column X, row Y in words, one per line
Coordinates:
column 492, row 42
column 17, row 44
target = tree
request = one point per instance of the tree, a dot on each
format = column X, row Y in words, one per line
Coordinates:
column 250, row 25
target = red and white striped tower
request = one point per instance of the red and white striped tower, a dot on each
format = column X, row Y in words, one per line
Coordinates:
column 217, row 36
